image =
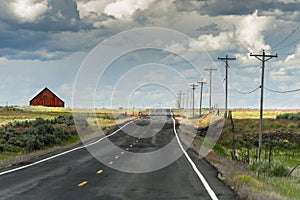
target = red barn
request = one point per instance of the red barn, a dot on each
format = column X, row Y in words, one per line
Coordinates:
column 46, row 98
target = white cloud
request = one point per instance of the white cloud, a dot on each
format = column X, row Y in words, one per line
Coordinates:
column 250, row 32
column 3, row 59
column 126, row 8
column 245, row 35
column 85, row 7
column 223, row 41
column 29, row 10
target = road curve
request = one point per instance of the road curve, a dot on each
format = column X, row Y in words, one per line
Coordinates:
column 79, row 175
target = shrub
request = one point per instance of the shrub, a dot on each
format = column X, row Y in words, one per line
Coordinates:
column 274, row 168
column 292, row 125
column 289, row 116
column 34, row 135
column 278, row 169
column 11, row 148
column 82, row 123
column 219, row 150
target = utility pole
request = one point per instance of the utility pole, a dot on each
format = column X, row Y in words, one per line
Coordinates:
column 179, row 99
column 210, row 84
column 226, row 80
column 187, row 98
column 193, row 98
column 183, row 99
column 262, row 57
column 201, row 90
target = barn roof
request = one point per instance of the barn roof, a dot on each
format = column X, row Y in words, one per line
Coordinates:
column 45, row 89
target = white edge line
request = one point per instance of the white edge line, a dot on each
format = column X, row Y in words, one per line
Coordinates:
column 206, row 185
column 63, row 153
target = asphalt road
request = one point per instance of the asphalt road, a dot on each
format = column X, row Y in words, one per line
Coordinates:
column 79, row 175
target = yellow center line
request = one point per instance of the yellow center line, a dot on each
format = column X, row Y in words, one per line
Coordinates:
column 82, row 183
column 100, row 171
column 122, row 153
column 111, row 162
column 116, row 157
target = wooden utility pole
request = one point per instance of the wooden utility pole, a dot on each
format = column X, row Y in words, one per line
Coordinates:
column 187, row 98
column 201, row 90
column 226, row 80
column 183, row 99
column 193, row 98
column 210, row 84
column 262, row 57
column 179, row 100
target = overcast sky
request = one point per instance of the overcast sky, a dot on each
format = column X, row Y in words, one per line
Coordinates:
column 43, row 43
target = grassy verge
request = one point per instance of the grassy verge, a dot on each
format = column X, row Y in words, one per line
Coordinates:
column 281, row 153
column 28, row 132
column 281, row 150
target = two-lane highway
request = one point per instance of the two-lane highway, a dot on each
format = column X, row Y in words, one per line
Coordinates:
column 79, row 175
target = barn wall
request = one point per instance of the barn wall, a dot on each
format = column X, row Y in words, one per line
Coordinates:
column 46, row 98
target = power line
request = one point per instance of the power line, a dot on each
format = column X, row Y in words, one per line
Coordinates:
column 287, row 91
column 290, row 44
column 282, row 41
column 247, row 67
column 250, row 92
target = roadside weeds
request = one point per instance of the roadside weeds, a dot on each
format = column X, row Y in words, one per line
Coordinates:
column 233, row 174
column 38, row 155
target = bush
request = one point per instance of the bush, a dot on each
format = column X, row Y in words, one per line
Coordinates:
column 82, row 123
column 289, row 116
column 274, row 168
column 278, row 169
column 11, row 148
column 36, row 134
column 219, row 150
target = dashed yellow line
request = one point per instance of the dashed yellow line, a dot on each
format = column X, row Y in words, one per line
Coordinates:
column 100, row 171
column 111, row 162
column 122, row 153
column 82, row 183
column 116, row 157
